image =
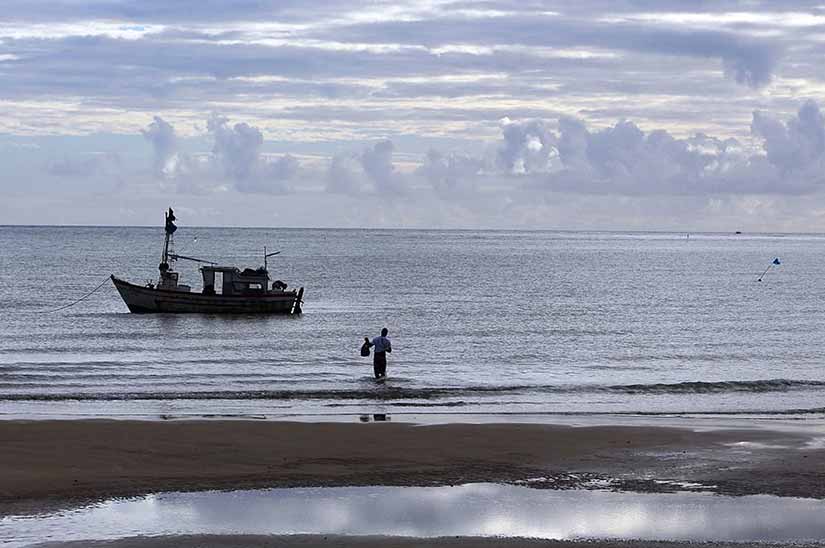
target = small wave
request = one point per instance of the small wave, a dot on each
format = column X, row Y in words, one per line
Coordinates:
column 377, row 393
column 700, row 387
column 726, row 412
column 388, row 392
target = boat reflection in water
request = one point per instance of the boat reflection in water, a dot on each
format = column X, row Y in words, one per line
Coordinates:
column 245, row 291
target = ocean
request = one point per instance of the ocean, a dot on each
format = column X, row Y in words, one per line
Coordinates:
column 498, row 322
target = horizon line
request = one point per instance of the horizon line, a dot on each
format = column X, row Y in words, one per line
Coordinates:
column 434, row 229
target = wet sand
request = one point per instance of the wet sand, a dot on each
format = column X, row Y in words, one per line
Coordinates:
column 331, row 541
column 45, row 464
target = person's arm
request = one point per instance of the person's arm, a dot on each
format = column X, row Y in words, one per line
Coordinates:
column 389, row 346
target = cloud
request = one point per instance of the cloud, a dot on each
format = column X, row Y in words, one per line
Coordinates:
column 529, row 147
column 625, row 160
column 561, row 155
column 163, row 11
column 565, row 156
column 343, row 175
column 164, row 143
column 236, row 153
column 452, row 175
column 358, row 72
column 794, row 145
column 372, row 171
column 235, row 158
column 272, row 176
column 500, row 112
column 535, row 173
column 750, row 64
column 378, row 165
column 188, row 173
column 748, row 59
column 237, row 148
column 86, row 166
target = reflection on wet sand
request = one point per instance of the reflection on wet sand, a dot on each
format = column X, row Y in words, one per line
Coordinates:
column 467, row 510
column 377, row 417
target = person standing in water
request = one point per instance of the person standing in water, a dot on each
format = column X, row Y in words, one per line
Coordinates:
column 382, row 345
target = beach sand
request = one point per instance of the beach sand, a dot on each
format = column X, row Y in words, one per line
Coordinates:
column 47, row 464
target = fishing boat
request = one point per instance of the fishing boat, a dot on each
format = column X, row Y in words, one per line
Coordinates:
column 248, row 291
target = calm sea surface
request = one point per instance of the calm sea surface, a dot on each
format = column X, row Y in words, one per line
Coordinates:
column 526, row 322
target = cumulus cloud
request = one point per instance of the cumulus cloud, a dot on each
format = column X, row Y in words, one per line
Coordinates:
column 794, row 145
column 561, row 155
column 564, row 156
column 452, row 174
column 187, row 173
column 273, row 176
column 236, row 158
column 164, row 143
column 237, row 148
column 343, row 175
column 529, row 147
column 624, row 159
column 555, row 172
column 378, row 165
column 371, row 171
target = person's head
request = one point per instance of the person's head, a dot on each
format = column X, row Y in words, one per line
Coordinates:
column 384, row 332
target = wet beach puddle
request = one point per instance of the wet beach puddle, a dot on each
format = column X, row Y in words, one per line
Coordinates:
column 465, row 510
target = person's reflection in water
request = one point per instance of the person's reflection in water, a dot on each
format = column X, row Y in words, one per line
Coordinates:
column 376, row 417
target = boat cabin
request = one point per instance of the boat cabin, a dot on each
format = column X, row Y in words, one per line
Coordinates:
column 169, row 279
column 234, row 281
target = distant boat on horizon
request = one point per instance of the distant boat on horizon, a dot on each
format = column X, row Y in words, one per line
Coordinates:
column 245, row 291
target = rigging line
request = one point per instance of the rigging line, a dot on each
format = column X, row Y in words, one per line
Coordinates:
column 84, row 297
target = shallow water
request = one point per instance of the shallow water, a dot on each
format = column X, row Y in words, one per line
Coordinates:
column 525, row 322
column 467, row 510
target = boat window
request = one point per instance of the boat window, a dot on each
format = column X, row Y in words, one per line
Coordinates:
column 219, row 282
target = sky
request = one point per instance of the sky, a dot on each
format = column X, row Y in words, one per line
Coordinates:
column 682, row 115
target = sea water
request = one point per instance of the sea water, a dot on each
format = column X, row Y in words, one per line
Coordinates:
column 481, row 322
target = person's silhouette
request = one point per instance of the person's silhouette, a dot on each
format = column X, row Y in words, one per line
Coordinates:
column 382, row 345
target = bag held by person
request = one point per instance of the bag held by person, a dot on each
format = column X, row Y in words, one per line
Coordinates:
column 365, row 348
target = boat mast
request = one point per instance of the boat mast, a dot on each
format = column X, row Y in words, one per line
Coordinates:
column 170, row 229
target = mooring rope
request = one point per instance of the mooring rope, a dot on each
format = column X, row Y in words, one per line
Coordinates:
column 84, row 297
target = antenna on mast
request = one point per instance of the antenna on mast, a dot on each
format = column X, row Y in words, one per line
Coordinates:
column 266, row 256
